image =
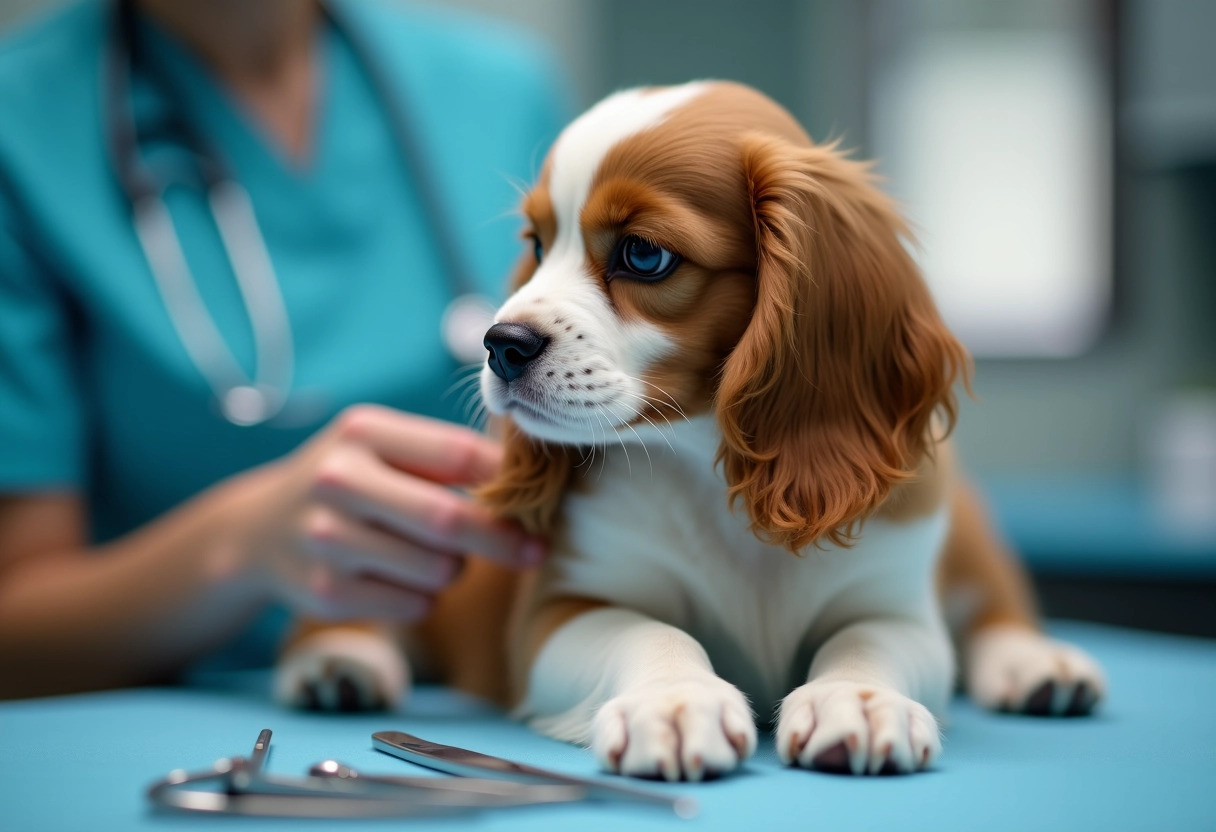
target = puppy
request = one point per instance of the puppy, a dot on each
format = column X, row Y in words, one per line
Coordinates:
column 725, row 394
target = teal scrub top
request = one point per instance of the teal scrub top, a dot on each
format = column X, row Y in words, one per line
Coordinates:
column 97, row 393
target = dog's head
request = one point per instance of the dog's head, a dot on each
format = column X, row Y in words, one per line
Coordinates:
column 691, row 251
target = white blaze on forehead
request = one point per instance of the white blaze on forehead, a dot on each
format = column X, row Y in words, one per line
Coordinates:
column 582, row 146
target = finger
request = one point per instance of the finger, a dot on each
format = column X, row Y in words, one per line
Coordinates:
column 353, row 546
column 331, row 595
column 438, row 451
column 426, row 513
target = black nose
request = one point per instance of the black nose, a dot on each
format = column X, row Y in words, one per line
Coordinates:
column 512, row 348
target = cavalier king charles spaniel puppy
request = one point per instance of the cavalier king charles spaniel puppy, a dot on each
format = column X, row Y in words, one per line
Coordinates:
column 725, row 393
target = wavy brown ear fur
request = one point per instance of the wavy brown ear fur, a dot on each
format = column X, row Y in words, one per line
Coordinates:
column 827, row 401
column 531, row 483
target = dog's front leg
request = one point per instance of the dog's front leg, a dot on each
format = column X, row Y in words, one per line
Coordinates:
column 641, row 693
column 863, row 708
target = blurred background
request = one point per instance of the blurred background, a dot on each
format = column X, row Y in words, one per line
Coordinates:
column 1058, row 159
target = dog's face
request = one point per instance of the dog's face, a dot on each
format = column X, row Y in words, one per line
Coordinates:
column 640, row 277
column 690, row 250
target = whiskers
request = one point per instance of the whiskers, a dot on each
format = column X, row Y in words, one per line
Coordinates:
column 469, row 402
column 668, row 402
column 641, row 442
column 617, row 431
column 589, row 454
column 605, row 422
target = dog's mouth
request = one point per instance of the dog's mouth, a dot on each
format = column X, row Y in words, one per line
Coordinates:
column 557, row 415
column 549, row 421
column 519, row 407
column 534, row 412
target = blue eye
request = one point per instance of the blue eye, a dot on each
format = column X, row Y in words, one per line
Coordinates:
column 537, row 249
column 643, row 260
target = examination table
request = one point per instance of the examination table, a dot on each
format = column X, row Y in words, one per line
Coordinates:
column 1147, row 761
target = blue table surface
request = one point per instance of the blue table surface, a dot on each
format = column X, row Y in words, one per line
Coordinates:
column 1147, row 762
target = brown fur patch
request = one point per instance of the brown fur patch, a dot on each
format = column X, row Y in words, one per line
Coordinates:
column 534, row 477
column 977, row 562
column 537, row 209
column 465, row 636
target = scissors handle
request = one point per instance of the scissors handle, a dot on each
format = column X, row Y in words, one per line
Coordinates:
column 465, row 763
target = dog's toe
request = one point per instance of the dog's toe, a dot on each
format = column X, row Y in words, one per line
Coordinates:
column 852, row 728
column 1022, row 671
column 688, row 730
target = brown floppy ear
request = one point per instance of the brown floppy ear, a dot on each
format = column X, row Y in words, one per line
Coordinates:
column 828, row 400
column 531, row 483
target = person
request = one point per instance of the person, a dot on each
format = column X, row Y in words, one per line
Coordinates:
column 144, row 523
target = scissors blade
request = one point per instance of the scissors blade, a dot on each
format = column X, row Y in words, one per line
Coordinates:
column 257, row 758
column 466, row 763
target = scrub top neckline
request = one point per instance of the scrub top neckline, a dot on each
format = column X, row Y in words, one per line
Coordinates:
column 246, row 146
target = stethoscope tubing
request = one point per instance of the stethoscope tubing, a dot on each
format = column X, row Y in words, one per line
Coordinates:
column 246, row 250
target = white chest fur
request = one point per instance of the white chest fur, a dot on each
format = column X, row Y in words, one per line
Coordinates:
column 651, row 531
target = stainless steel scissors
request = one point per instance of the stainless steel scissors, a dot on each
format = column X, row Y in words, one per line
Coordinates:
column 241, row 786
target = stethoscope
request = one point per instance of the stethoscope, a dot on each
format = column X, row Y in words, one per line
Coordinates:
column 244, row 399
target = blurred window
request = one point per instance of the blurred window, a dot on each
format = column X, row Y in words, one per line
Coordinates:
column 993, row 126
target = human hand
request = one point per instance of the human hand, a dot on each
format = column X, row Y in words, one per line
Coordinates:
column 362, row 521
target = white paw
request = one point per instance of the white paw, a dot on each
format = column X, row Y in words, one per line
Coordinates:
column 343, row 669
column 1013, row 669
column 855, row 728
column 688, row 730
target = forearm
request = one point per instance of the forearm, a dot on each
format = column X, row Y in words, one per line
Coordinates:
column 130, row 612
column 597, row 656
column 911, row 655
